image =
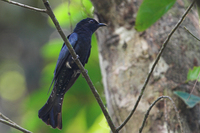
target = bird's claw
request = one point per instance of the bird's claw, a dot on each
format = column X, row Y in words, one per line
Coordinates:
column 77, row 57
column 76, row 72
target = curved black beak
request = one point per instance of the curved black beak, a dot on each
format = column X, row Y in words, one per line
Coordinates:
column 101, row 24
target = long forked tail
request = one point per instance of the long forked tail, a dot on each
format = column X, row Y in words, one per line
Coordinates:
column 50, row 113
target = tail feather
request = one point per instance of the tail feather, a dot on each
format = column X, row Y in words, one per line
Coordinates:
column 50, row 113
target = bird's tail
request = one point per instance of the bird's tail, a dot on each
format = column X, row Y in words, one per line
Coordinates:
column 50, row 113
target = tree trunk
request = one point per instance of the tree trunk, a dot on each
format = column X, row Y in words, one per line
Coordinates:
column 126, row 56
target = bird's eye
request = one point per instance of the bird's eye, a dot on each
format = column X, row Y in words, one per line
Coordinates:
column 91, row 21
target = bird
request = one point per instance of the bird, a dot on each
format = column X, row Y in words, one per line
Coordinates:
column 66, row 71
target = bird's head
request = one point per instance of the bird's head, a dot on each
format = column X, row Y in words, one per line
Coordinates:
column 88, row 24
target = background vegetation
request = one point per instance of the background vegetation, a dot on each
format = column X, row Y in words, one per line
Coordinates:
column 28, row 54
column 29, row 50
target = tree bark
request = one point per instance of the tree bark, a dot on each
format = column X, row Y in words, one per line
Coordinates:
column 127, row 55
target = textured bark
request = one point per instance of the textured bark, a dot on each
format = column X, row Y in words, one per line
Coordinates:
column 125, row 59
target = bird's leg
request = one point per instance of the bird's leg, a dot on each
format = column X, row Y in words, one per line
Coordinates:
column 76, row 72
column 71, row 62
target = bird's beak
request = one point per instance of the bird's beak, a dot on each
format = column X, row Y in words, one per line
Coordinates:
column 102, row 24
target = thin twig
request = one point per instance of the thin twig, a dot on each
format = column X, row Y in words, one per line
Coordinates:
column 151, row 106
column 25, row 6
column 79, row 64
column 8, row 122
column 194, row 86
column 192, row 34
column 4, row 117
column 69, row 14
column 154, row 64
column 199, row 73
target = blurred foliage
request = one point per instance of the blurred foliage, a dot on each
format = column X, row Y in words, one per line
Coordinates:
column 189, row 99
column 11, row 91
column 71, row 12
column 150, row 11
column 80, row 112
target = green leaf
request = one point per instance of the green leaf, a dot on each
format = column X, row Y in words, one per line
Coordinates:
column 190, row 100
column 193, row 74
column 150, row 11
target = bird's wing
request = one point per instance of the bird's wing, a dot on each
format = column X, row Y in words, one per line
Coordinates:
column 88, row 55
column 64, row 54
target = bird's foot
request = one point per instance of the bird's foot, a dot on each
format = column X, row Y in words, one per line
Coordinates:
column 76, row 72
column 77, row 57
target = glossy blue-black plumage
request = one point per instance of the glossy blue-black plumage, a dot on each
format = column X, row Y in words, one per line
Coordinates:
column 66, row 71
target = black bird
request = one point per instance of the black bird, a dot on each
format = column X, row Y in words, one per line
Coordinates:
column 66, row 71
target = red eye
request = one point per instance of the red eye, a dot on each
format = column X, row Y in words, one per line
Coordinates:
column 91, row 21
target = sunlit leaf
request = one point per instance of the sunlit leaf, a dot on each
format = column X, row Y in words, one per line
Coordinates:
column 150, row 11
column 190, row 100
column 193, row 74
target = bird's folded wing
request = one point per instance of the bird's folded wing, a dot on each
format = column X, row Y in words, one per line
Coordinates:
column 64, row 54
